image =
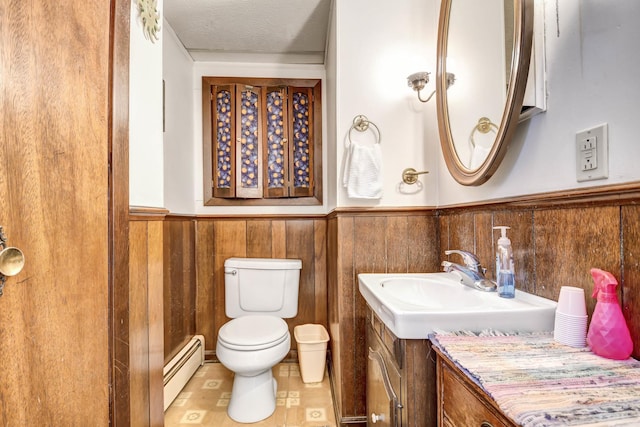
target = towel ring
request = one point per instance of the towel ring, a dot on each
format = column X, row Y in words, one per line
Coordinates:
column 484, row 126
column 361, row 124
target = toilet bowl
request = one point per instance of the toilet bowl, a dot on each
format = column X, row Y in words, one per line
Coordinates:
column 251, row 346
column 259, row 293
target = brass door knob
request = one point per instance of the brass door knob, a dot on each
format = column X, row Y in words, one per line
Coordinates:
column 11, row 261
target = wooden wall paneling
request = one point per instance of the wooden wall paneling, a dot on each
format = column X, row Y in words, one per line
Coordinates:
column 259, row 236
column 397, row 250
column 179, row 285
column 173, row 315
column 369, row 256
column 444, row 223
column 334, row 291
column 630, row 282
column 300, row 245
column 521, row 235
column 569, row 242
column 278, row 241
column 346, row 316
column 289, row 238
column 206, row 292
column 138, row 321
column 155, row 308
column 146, row 356
column 188, row 276
column 320, row 271
column 423, row 244
column 176, row 331
column 461, row 229
column 384, row 242
column 483, row 236
column 230, row 240
column 370, row 246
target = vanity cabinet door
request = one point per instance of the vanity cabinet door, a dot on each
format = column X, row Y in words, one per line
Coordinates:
column 383, row 405
column 383, row 384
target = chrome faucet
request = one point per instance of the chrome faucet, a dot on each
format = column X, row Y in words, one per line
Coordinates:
column 471, row 274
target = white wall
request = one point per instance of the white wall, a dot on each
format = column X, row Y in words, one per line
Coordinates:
column 145, row 116
column 179, row 136
column 591, row 55
column 592, row 58
column 378, row 44
column 331, row 105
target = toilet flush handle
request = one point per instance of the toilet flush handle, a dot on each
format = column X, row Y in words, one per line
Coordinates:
column 231, row 271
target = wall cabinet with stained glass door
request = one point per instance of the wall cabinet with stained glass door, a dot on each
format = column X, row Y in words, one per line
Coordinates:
column 262, row 141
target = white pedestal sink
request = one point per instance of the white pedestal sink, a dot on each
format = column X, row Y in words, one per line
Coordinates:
column 413, row 305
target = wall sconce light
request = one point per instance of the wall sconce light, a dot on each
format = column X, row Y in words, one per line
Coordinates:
column 417, row 81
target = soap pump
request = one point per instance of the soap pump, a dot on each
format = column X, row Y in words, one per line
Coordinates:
column 505, row 269
column 608, row 334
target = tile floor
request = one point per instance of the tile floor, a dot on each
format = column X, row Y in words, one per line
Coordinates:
column 204, row 400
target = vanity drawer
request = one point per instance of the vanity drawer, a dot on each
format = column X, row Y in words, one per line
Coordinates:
column 462, row 404
column 391, row 343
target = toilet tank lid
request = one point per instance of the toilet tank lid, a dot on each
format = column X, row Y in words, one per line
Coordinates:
column 264, row 263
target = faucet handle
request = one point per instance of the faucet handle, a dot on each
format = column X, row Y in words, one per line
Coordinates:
column 470, row 259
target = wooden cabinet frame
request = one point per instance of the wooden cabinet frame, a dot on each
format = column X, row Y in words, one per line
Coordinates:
column 233, row 196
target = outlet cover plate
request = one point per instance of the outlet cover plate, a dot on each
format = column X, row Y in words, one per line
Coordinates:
column 592, row 153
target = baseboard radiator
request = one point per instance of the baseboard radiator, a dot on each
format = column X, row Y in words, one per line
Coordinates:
column 181, row 368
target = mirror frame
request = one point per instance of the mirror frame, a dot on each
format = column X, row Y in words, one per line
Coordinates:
column 523, row 39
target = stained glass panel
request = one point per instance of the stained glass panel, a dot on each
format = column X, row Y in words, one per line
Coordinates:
column 275, row 140
column 223, row 139
column 301, row 161
column 249, row 140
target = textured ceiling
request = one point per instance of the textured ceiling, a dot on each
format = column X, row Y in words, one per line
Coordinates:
column 283, row 31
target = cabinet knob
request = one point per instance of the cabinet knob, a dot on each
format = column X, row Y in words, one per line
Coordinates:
column 486, row 424
column 377, row 417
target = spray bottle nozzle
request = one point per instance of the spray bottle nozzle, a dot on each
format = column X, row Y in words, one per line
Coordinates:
column 603, row 282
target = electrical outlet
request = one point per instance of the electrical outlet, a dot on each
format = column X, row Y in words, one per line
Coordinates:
column 592, row 153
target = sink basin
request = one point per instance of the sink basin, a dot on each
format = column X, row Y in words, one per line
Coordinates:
column 413, row 305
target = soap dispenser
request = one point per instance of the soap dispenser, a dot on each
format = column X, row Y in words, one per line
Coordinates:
column 505, row 269
column 608, row 334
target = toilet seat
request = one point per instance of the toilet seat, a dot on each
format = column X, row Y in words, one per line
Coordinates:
column 249, row 333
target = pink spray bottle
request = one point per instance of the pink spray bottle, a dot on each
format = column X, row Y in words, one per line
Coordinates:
column 608, row 334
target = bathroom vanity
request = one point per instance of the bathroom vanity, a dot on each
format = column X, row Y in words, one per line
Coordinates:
column 511, row 379
column 400, row 378
column 402, row 310
column 461, row 402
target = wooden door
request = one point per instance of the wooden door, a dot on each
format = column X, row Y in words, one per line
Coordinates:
column 56, row 135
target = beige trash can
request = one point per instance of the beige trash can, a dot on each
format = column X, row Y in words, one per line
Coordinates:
column 312, row 351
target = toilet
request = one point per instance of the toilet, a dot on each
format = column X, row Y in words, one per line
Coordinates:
column 259, row 294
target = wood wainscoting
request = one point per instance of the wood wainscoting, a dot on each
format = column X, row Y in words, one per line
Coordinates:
column 557, row 238
column 286, row 237
column 146, row 316
column 179, row 283
column 365, row 241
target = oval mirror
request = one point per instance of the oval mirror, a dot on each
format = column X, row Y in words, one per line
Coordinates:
column 486, row 45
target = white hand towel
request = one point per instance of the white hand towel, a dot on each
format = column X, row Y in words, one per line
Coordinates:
column 363, row 171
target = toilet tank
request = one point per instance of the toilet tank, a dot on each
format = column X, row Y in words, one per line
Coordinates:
column 261, row 286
